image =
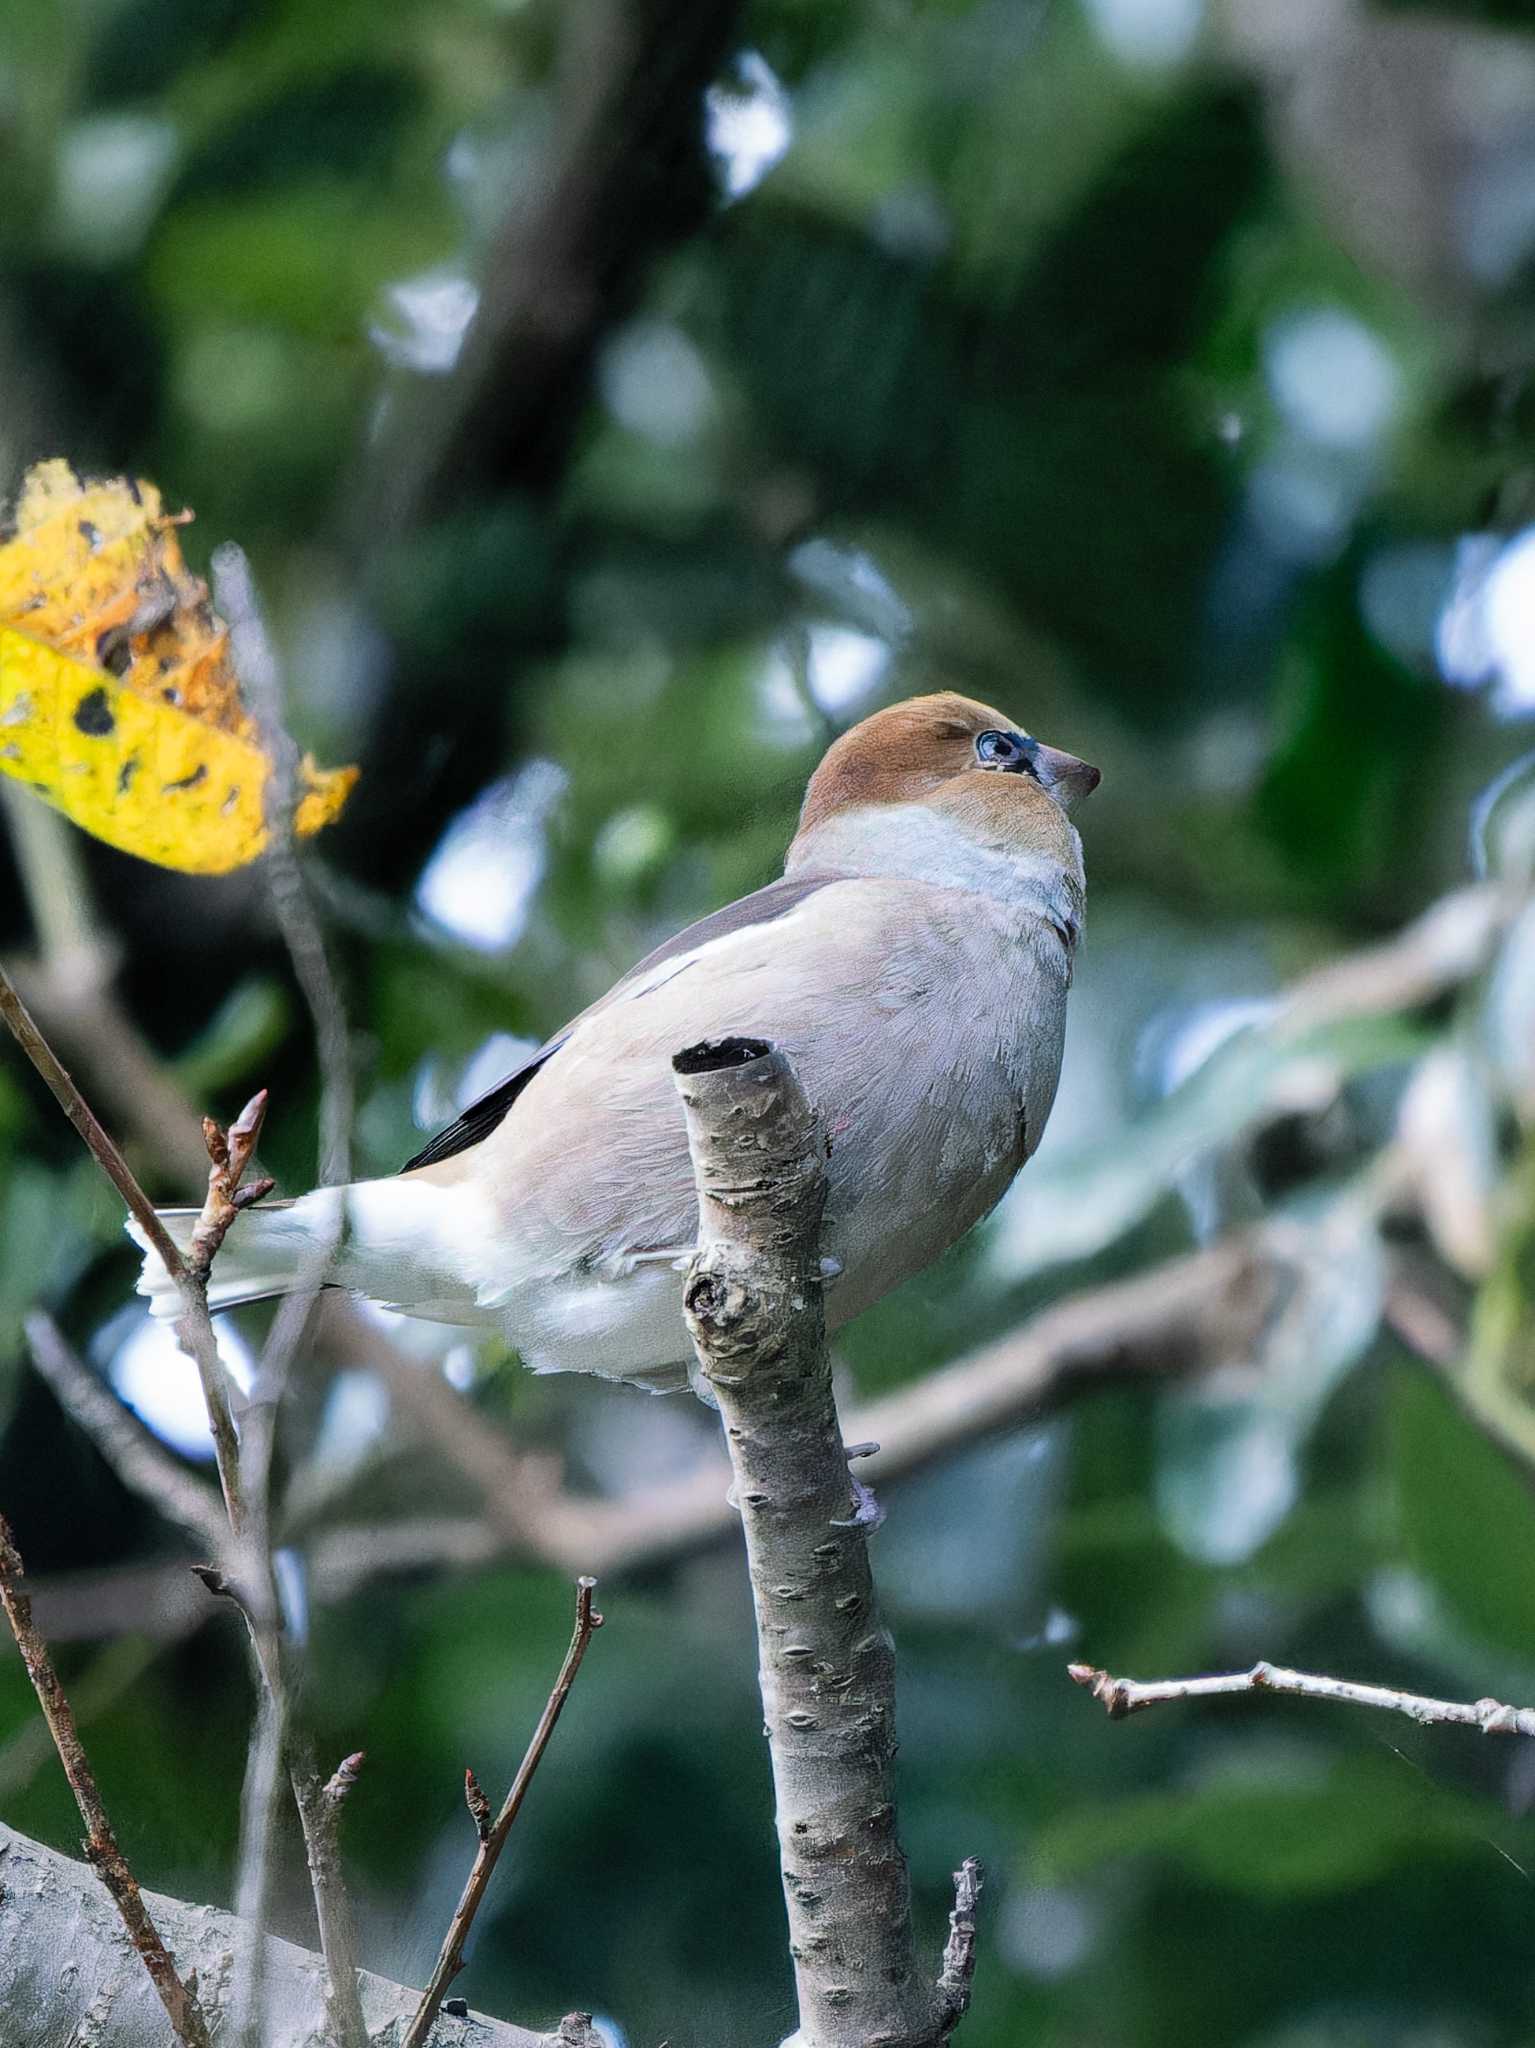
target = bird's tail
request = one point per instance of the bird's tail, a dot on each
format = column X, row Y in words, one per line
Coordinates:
column 274, row 1248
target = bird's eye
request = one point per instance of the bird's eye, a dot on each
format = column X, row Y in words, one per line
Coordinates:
column 1000, row 750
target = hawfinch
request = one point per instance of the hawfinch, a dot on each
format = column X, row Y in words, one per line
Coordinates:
column 912, row 963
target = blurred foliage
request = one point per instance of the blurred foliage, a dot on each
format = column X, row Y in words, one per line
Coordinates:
column 1159, row 370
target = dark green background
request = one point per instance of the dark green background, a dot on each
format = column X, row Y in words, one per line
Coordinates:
column 1003, row 322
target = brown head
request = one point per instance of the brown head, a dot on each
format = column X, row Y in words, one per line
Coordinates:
column 963, row 758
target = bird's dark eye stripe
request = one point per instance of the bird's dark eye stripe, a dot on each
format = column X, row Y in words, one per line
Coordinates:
column 1012, row 752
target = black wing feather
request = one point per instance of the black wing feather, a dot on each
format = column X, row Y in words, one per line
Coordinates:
column 482, row 1117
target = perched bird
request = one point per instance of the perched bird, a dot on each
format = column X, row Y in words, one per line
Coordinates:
column 912, row 963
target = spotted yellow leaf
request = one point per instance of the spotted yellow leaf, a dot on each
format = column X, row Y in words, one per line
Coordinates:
column 119, row 702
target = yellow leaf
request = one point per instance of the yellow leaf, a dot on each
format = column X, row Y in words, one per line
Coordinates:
column 119, row 703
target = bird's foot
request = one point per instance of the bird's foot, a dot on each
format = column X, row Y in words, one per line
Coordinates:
column 867, row 1512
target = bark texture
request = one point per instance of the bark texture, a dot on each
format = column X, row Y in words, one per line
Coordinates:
column 69, row 1977
column 753, row 1299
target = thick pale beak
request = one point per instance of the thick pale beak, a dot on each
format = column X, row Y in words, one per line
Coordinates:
column 1067, row 779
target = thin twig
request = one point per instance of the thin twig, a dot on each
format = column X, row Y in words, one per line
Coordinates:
column 343, row 1778
column 477, row 1803
column 319, row 1811
column 256, row 663
column 229, row 1154
column 451, row 1959
column 957, row 1972
column 179, row 1999
column 1122, row 1696
column 276, row 1742
column 253, row 1888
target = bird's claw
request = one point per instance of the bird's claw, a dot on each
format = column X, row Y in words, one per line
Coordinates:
column 867, row 1511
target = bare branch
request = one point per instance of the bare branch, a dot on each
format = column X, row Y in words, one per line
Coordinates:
column 1188, row 1316
column 258, row 1815
column 1122, row 1696
column 278, row 1741
column 478, row 1804
column 753, row 1299
column 344, row 1777
column 1194, row 1314
column 451, row 1959
column 1451, row 941
column 319, row 1813
column 958, row 1970
column 179, row 1999
column 229, row 1154
column 320, row 1818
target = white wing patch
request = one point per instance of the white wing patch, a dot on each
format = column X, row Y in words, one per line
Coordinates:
column 712, row 949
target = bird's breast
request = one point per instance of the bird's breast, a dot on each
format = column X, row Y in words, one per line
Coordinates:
column 929, row 1118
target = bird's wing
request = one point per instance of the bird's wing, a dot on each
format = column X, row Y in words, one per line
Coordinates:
column 762, row 907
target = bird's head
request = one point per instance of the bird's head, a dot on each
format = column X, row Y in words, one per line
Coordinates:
column 964, row 762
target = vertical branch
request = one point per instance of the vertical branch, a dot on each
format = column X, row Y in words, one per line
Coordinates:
column 319, row 1812
column 253, row 1886
column 256, row 662
column 754, row 1308
column 179, row 1999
